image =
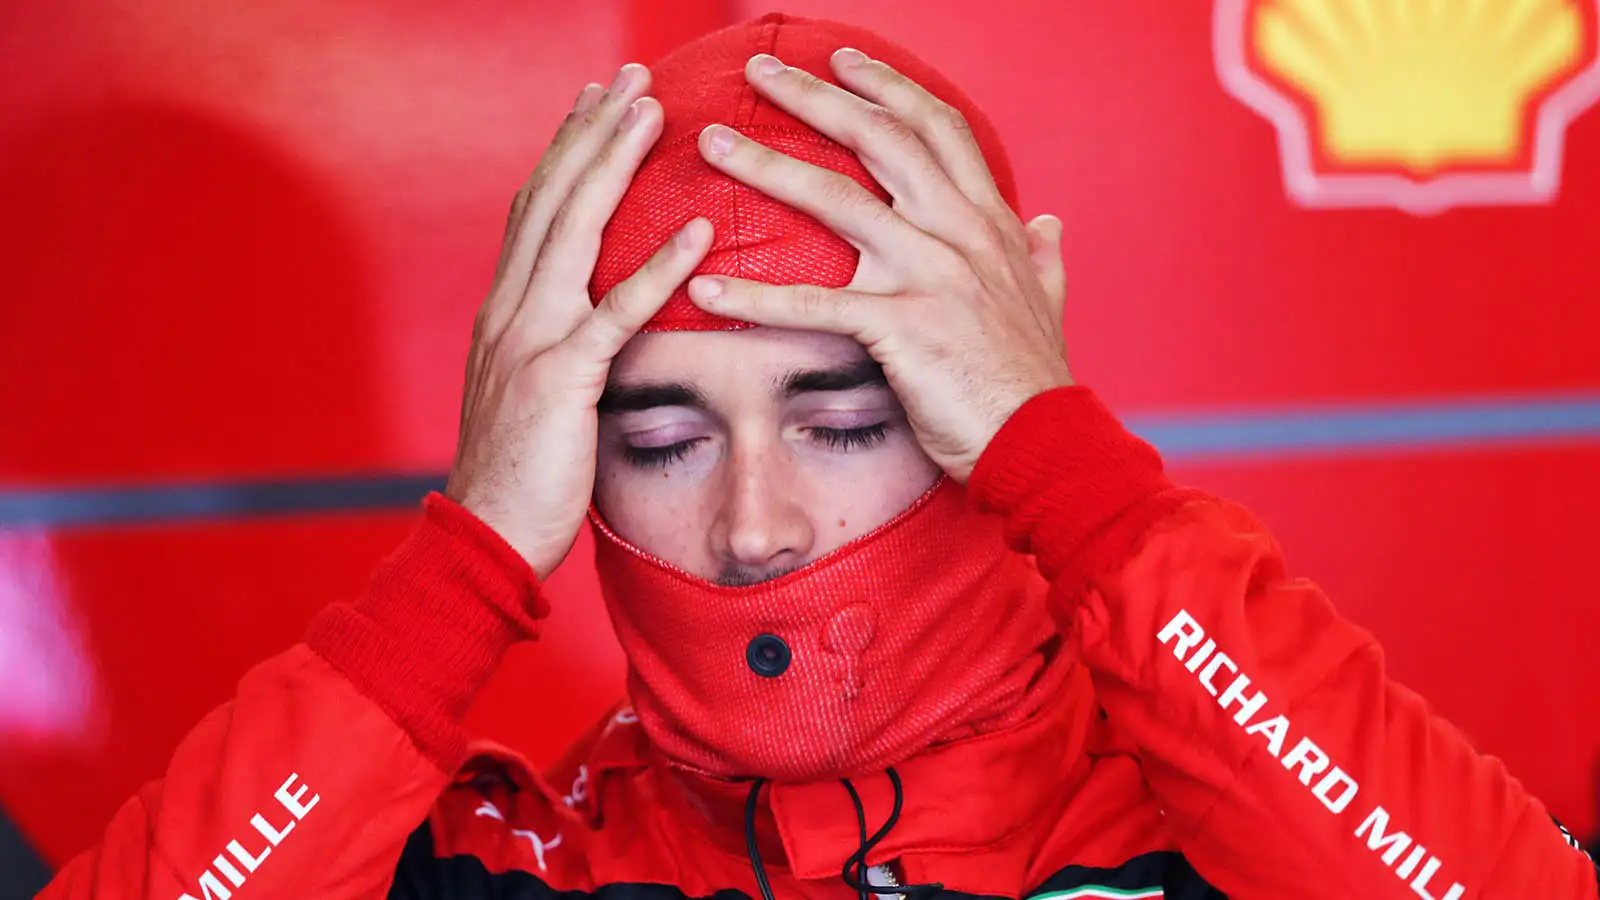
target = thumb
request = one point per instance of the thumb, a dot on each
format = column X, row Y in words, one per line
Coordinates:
column 1044, row 250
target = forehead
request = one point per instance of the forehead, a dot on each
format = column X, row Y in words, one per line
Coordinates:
column 716, row 360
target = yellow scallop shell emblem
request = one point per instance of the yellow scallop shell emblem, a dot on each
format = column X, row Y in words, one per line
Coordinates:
column 1420, row 104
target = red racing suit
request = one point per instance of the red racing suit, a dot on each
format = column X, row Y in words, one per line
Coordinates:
column 1225, row 734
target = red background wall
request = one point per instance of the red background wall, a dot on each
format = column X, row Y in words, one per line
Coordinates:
column 245, row 241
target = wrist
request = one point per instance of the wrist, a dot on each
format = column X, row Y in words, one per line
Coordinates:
column 537, row 551
column 1065, row 474
column 1006, row 408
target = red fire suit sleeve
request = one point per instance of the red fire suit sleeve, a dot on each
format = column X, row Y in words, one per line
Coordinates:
column 309, row 781
column 1287, row 763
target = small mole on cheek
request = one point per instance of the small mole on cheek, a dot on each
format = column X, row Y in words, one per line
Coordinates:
column 666, row 474
column 841, row 523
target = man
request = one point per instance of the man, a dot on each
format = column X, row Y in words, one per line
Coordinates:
column 905, row 611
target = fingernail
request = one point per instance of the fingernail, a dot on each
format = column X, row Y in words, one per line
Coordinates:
column 630, row 116
column 623, row 80
column 587, row 97
column 721, row 139
column 685, row 236
column 769, row 65
column 705, row 287
column 849, row 57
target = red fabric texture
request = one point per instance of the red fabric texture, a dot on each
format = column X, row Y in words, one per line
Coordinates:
column 423, row 652
column 985, row 802
column 925, row 631
column 1093, row 492
column 757, row 237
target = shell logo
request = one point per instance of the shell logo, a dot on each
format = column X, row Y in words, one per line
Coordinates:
column 1420, row 105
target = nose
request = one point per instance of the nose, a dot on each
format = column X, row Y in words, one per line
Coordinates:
column 762, row 524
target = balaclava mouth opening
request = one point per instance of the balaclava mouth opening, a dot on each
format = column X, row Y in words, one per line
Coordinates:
column 926, row 630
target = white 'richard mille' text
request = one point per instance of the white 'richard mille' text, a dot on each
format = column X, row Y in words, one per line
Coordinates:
column 1331, row 785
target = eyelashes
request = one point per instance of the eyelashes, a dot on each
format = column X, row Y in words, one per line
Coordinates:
column 659, row 457
column 851, row 438
column 840, row 439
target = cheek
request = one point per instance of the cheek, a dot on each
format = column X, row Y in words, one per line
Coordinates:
column 658, row 511
column 851, row 499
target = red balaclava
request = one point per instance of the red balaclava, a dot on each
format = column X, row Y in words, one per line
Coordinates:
column 924, row 631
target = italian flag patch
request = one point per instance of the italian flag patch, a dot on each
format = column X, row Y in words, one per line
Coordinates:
column 1096, row 892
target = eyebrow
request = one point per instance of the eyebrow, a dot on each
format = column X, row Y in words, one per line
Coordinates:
column 638, row 397
column 863, row 373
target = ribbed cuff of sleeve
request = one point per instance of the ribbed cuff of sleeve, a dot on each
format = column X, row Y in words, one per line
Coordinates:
column 1077, row 490
column 435, row 621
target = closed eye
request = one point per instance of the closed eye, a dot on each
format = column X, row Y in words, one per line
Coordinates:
column 659, row 457
column 841, row 439
column 846, row 439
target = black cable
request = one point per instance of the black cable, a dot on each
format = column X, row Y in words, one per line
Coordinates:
column 858, row 860
column 750, row 840
column 856, row 879
column 860, row 856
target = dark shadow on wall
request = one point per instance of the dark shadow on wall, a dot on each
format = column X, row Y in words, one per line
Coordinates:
column 183, row 301
column 22, row 872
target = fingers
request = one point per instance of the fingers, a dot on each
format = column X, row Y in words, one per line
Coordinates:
column 557, row 296
column 803, row 307
column 519, row 205
column 891, row 150
column 941, row 127
column 629, row 305
column 834, row 199
column 587, row 98
column 583, row 134
column 1044, row 250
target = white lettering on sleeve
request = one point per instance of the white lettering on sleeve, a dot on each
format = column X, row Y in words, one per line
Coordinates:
column 211, row 887
column 1333, row 779
column 1276, row 729
column 1185, row 630
column 1410, row 865
column 1310, row 757
column 1419, row 885
column 1210, row 671
column 228, row 871
column 1375, row 827
column 291, row 802
column 265, row 829
column 1378, row 822
column 1198, row 658
column 1235, row 694
column 245, row 859
column 1335, row 789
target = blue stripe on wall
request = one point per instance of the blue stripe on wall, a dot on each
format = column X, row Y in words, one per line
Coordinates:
column 162, row 503
column 1368, row 428
column 1182, row 438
